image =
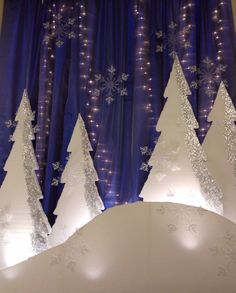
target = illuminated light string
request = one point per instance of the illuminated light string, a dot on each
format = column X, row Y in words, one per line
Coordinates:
column 102, row 156
column 55, row 13
column 217, row 34
column 142, row 57
column 45, row 95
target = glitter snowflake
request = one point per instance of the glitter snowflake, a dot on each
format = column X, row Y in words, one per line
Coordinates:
column 173, row 39
column 146, row 152
column 10, row 124
column 110, row 85
column 208, row 76
column 59, row 29
column 57, row 167
column 144, row 167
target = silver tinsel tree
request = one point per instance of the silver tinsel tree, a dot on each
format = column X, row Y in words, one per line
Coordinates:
column 20, row 193
column 179, row 172
column 80, row 201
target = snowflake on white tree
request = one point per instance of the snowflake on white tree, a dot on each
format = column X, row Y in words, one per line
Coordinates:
column 5, row 218
column 174, row 38
column 208, row 76
column 225, row 250
column 110, row 85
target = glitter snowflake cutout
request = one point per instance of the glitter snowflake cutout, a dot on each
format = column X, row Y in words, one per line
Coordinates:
column 146, row 151
column 208, row 76
column 10, row 124
column 144, row 167
column 110, row 85
column 173, row 39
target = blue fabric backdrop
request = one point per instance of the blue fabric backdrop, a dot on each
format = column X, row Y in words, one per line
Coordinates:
column 109, row 60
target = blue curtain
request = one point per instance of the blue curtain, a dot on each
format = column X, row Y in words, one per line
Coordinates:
column 109, row 60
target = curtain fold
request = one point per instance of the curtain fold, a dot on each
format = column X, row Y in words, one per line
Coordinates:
column 109, row 60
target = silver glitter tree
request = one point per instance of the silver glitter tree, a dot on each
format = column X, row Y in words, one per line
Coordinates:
column 179, row 172
column 80, row 201
column 220, row 147
column 20, row 191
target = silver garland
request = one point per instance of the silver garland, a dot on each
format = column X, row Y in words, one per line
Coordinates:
column 209, row 187
column 229, row 126
column 40, row 222
column 91, row 194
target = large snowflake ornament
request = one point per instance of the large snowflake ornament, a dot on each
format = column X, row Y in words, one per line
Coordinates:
column 110, row 85
column 208, row 76
column 174, row 38
column 60, row 28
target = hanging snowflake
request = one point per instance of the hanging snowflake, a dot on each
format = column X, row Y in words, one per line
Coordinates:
column 10, row 124
column 58, row 168
column 110, row 85
column 144, row 167
column 174, row 39
column 208, row 76
column 59, row 29
column 145, row 151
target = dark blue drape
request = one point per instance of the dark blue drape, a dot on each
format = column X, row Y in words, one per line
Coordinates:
column 109, row 60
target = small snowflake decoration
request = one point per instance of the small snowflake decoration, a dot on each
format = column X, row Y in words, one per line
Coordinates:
column 59, row 29
column 144, row 167
column 174, row 39
column 110, row 85
column 10, row 124
column 58, row 168
column 146, row 152
column 208, row 75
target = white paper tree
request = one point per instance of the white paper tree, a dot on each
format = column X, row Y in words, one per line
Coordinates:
column 26, row 227
column 179, row 173
column 80, row 201
column 220, row 148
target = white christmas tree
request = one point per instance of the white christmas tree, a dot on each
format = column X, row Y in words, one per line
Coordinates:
column 220, row 148
column 25, row 226
column 179, row 173
column 80, row 201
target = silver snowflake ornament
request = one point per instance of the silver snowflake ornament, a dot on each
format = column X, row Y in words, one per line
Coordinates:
column 173, row 39
column 10, row 124
column 59, row 29
column 55, row 181
column 208, row 76
column 110, row 85
column 144, row 167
